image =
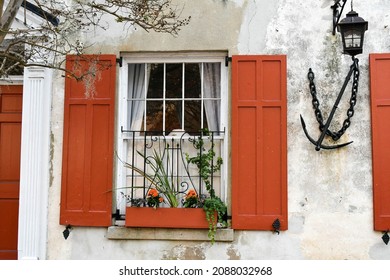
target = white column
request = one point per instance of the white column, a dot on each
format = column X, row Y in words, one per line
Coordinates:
column 35, row 163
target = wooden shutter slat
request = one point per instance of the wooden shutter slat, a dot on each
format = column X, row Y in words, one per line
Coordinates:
column 380, row 118
column 86, row 197
column 259, row 142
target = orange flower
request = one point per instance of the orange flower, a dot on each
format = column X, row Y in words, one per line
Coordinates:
column 191, row 194
column 153, row 198
column 153, row 193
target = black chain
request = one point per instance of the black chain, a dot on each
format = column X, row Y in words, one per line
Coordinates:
column 352, row 102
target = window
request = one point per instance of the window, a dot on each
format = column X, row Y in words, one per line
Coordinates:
column 167, row 102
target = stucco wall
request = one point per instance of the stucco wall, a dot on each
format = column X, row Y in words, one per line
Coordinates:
column 329, row 192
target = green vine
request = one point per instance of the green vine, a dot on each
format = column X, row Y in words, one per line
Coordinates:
column 212, row 206
column 204, row 161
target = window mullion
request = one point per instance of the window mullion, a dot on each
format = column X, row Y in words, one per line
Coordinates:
column 201, row 97
column 145, row 96
column 183, row 97
column 164, row 94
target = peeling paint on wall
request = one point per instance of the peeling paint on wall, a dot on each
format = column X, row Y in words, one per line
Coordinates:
column 329, row 192
column 184, row 252
column 233, row 253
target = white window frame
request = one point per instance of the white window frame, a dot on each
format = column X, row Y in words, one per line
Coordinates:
column 122, row 117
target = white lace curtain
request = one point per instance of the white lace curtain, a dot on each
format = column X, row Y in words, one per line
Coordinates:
column 212, row 90
column 136, row 96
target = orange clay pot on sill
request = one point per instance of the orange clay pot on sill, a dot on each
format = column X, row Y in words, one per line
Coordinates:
column 166, row 217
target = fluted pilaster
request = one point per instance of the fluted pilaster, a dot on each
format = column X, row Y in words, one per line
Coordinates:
column 35, row 157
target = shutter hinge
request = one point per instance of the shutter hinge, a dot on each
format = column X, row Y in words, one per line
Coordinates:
column 227, row 60
column 119, row 61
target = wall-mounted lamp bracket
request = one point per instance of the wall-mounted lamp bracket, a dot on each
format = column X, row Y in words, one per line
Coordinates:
column 337, row 11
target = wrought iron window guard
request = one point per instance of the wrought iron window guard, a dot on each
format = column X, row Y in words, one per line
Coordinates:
column 173, row 150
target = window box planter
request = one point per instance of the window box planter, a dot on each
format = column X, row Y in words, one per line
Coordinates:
column 166, row 217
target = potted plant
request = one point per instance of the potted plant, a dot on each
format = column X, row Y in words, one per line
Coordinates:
column 158, row 177
column 191, row 216
column 164, row 190
column 197, row 211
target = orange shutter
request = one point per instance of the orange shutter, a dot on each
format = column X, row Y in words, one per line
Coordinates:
column 259, row 142
column 10, row 137
column 87, row 165
column 380, row 117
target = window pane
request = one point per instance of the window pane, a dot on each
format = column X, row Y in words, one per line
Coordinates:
column 212, row 95
column 174, row 78
column 192, row 86
column 173, row 115
column 136, row 115
column 136, row 95
column 212, row 113
column 154, row 116
column 156, row 80
column 192, row 116
column 212, row 80
column 136, row 81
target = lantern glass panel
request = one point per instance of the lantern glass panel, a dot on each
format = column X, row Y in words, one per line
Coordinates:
column 352, row 39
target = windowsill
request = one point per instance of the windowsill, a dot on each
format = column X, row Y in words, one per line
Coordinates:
column 126, row 233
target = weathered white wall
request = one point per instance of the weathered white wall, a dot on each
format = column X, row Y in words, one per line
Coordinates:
column 329, row 192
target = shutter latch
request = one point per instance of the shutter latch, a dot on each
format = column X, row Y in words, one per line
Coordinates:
column 386, row 237
column 276, row 226
column 66, row 232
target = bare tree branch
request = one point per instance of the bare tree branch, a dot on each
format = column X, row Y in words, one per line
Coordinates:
column 8, row 16
column 47, row 44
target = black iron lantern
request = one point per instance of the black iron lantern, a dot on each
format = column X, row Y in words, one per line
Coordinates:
column 352, row 30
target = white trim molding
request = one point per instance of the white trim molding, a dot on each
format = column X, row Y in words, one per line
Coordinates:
column 35, row 160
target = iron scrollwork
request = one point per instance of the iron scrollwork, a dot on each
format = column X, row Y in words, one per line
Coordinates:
column 173, row 152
